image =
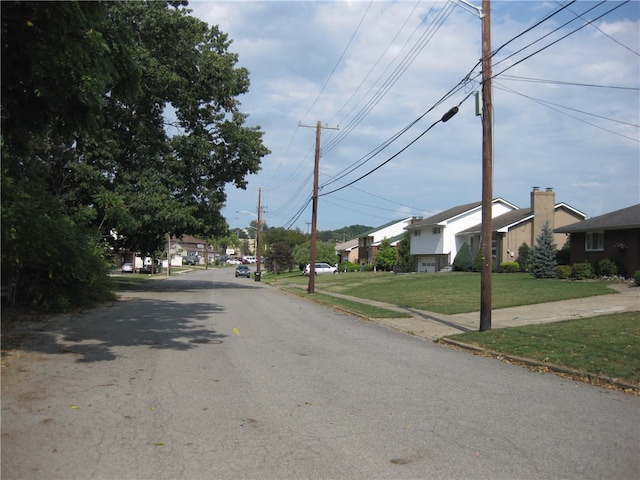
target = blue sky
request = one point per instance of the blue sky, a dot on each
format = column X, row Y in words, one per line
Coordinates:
column 567, row 117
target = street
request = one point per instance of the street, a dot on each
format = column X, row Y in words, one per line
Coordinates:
column 208, row 376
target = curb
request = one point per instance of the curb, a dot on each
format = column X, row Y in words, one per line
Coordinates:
column 578, row 374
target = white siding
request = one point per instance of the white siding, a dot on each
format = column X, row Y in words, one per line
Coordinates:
column 428, row 243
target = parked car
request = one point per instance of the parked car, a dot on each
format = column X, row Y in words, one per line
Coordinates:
column 147, row 269
column 233, row 261
column 127, row 268
column 243, row 271
column 321, row 269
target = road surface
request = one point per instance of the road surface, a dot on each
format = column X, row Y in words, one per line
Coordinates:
column 206, row 376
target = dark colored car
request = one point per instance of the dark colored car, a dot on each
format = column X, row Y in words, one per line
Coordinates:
column 147, row 269
column 243, row 271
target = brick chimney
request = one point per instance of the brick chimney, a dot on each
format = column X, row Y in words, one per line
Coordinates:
column 543, row 207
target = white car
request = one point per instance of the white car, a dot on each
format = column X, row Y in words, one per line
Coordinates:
column 233, row 261
column 321, row 269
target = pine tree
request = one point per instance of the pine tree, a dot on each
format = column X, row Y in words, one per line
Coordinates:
column 405, row 259
column 543, row 255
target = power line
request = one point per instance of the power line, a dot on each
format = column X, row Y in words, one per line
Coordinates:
column 556, row 41
column 392, row 79
column 605, row 33
column 551, row 105
column 559, row 82
column 346, row 48
column 445, row 118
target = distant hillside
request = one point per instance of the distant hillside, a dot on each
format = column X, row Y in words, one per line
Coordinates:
column 343, row 234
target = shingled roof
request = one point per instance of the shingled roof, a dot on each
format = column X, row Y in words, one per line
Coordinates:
column 619, row 220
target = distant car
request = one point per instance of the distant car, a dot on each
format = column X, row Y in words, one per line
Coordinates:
column 233, row 261
column 321, row 269
column 148, row 269
column 127, row 268
column 243, row 271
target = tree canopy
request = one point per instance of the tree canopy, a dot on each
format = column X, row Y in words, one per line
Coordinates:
column 121, row 123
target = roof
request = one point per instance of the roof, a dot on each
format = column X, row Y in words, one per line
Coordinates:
column 348, row 245
column 618, row 220
column 508, row 220
column 452, row 213
column 381, row 227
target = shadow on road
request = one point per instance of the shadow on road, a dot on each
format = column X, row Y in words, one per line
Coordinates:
column 100, row 334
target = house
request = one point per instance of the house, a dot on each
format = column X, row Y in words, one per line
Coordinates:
column 523, row 225
column 435, row 241
column 615, row 236
column 189, row 248
column 348, row 251
column 369, row 241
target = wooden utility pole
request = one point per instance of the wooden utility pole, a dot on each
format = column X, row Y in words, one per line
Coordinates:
column 487, row 171
column 314, row 209
column 314, row 212
column 258, row 230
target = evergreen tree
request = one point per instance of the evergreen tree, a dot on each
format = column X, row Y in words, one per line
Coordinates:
column 387, row 256
column 405, row 259
column 462, row 262
column 543, row 255
column 524, row 257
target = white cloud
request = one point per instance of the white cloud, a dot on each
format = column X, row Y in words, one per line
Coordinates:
column 291, row 48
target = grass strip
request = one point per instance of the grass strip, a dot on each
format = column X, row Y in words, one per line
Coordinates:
column 455, row 292
column 358, row 308
column 607, row 345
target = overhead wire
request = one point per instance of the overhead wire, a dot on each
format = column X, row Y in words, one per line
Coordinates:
column 557, row 40
column 551, row 106
column 335, row 67
column 392, row 79
column 469, row 78
column 605, row 33
column 396, row 154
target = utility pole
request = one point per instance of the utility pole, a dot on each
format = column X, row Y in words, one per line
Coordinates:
column 258, row 229
column 487, row 171
column 314, row 208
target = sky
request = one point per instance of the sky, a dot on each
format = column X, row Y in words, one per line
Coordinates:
column 379, row 75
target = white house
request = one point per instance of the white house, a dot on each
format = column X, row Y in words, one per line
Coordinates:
column 434, row 241
column 368, row 242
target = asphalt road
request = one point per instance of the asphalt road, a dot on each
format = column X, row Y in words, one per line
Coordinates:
column 209, row 377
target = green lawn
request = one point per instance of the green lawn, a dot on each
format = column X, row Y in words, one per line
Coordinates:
column 607, row 345
column 450, row 293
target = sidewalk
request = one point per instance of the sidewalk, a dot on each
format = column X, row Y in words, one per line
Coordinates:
column 435, row 325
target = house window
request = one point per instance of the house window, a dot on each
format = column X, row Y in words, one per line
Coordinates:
column 437, row 230
column 416, row 233
column 594, row 241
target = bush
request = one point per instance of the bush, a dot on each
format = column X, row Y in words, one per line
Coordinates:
column 636, row 277
column 348, row 267
column 606, row 268
column 581, row 271
column 563, row 272
column 477, row 262
column 462, row 262
column 509, row 267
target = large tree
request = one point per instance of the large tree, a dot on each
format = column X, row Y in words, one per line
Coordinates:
column 120, row 121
